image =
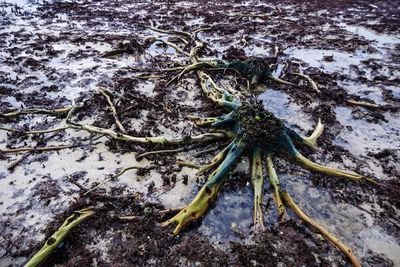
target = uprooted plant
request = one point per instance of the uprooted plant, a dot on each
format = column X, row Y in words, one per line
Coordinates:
column 250, row 131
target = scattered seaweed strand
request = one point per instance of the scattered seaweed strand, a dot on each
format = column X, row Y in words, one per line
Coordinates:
column 112, row 177
column 113, row 111
column 311, row 81
column 39, row 111
column 36, row 149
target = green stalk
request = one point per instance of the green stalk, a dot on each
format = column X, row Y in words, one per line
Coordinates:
column 52, row 243
column 200, row 204
column 310, row 141
column 217, row 159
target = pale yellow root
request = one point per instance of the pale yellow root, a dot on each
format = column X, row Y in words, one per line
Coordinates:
column 36, row 149
column 213, row 92
column 155, row 152
column 257, row 180
column 204, row 168
column 308, row 164
column 174, row 46
column 39, row 111
column 345, row 249
column 362, row 104
column 200, row 122
column 276, row 79
column 274, row 183
column 311, row 81
column 171, row 210
column 149, row 140
column 113, row 110
column 312, row 139
column 187, row 164
column 36, row 132
column 111, row 178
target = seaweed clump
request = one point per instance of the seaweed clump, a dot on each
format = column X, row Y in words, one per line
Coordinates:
column 257, row 124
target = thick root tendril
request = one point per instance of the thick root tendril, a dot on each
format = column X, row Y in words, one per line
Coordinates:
column 257, row 180
column 312, row 139
column 216, row 160
column 52, row 243
column 345, row 249
column 274, row 183
column 308, row 164
column 196, row 209
column 208, row 193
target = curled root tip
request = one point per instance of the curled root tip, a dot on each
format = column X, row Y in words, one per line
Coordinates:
column 177, row 229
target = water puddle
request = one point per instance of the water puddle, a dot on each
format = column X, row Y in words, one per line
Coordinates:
column 380, row 39
column 281, row 105
column 342, row 61
column 360, row 136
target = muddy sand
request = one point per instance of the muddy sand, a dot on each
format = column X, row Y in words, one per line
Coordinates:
column 53, row 54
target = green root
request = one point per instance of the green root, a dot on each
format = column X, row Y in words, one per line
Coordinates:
column 196, row 209
column 206, row 196
column 53, row 242
column 216, row 160
column 310, row 141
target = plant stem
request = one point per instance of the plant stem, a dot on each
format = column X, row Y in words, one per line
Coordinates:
column 52, row 243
